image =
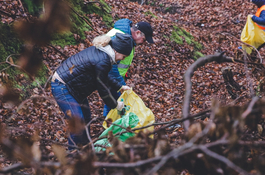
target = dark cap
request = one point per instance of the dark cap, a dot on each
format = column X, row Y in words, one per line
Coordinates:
column 122, row 43
column 146, row 28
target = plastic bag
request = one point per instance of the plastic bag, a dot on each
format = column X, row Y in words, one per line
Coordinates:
column 138, row 107
column 252, row 35
column 136, row 115
column 128, row 120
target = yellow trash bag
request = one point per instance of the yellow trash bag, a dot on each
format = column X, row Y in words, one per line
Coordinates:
column 252, row 35
column 137, row 106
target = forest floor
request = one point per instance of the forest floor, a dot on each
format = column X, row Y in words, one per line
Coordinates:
column 157, row 71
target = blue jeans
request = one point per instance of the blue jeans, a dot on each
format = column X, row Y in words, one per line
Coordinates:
column 116, row 95
column 114, row 73
column 67, row 102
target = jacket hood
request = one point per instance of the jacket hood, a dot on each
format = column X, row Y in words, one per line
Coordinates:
column 124, row 25
column 108, row 50
column 259, row 3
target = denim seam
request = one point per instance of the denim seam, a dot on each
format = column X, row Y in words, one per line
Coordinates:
column 67, row 103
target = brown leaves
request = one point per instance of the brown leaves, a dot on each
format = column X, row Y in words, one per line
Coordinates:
column 9, row 95
column 2, row 130
column 60, row 153
column 71, row 69
column 18, row 148
column 193, row 130
column 157, row 76
column 76, row 125
column 30, row 60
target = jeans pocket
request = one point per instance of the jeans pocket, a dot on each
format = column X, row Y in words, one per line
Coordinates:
column 58, row 89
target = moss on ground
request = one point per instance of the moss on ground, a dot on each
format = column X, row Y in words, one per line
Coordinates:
column 197, row 55
column 151, row 14
column 10, row 44
column 33, row 7
column 79, row 25
column 179, row 36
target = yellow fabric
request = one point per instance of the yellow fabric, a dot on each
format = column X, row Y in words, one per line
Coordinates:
column 252, row 35
column 137, row 106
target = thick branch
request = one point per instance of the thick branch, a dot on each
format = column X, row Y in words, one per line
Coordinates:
column 219, row 58
column 250, row 107
column 11, row 168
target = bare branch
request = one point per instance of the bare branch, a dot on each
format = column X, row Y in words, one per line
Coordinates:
column 127, row 165
column 223, row 159
column 219, row 58
column 11, row 168
column 248, row 76
column 250, row 107
column 19, row 67
column 65, row 56
column 88, row 135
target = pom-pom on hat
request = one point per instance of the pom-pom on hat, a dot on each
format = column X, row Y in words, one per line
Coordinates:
column 122, row 43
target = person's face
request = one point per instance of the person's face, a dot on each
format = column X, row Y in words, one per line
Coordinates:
column 119, row 56
column 139, row 37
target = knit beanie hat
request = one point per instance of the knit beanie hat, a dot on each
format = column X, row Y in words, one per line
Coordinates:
column 122, row 43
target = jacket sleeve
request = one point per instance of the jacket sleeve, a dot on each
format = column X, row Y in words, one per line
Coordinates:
column 102, row 70
column 259, row 20
column 115, row 74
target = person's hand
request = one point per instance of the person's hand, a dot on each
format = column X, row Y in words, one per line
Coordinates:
column 120, row 106
column 251, row 16
column 124, row 88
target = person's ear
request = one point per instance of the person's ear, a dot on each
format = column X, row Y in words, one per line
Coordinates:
column 138, row 33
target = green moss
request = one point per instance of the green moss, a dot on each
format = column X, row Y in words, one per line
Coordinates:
column 151, row 14
column 176, row 38
column 168, row 9
column 64, row 39
column 197, row 45
column 178, row 35
column 102, row 10
column 2, row 51
column 26, row 85
column 10, row 44
column 188, row 39
column 40, row 79
column 33, row 7
column 79, row 25
column 197, row 55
